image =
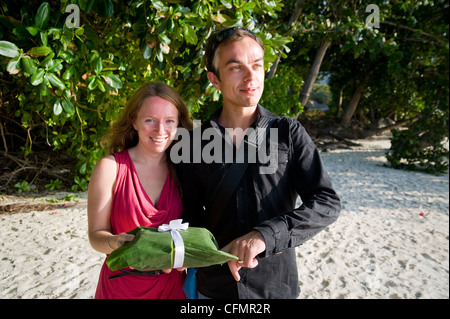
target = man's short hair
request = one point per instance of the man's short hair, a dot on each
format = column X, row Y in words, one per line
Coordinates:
column 223, row 37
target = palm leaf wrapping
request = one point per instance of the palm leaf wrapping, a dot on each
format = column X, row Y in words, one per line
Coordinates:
column 153, row 250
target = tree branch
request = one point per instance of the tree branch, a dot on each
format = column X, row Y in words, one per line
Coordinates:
column 433, row 36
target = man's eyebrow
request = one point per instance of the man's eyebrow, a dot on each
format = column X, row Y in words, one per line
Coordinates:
column 230, row 61
column 233, row 60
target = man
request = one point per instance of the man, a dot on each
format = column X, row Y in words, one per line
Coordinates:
column 259, row 223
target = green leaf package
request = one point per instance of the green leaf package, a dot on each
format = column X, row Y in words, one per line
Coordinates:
column 153, row 250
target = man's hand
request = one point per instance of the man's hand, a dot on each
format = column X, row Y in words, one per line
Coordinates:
column 246, row 248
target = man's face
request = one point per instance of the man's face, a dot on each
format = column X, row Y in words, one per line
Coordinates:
column 241, row 68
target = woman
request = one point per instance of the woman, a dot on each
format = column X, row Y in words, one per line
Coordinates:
column 136, row 186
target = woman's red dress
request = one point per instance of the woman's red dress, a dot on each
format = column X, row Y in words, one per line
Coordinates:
column 131, row 207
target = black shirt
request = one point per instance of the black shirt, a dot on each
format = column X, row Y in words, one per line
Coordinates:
column 264, row 200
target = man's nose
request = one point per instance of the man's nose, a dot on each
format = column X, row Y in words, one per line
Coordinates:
column 249, row 73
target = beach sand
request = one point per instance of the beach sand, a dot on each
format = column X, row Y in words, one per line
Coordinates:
column 390, row 241
column 392, row 237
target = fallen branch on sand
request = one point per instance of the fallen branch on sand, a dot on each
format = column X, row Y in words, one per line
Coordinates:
column 32, row 206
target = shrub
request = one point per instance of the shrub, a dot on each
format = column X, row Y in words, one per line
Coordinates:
column 422, row 147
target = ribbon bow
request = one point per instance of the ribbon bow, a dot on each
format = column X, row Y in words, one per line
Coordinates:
column 174, row 226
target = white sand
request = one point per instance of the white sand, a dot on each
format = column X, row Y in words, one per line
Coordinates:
column 46, row 254
column 380, row 247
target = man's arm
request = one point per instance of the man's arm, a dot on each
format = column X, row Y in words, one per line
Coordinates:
column 320, row 204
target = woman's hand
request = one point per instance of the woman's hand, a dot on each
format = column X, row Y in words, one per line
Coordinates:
column 116, row 241
column 167, row 271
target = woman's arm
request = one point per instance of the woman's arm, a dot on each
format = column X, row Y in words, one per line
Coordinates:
column 100, row 194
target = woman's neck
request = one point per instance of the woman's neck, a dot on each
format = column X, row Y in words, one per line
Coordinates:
column 142, row 155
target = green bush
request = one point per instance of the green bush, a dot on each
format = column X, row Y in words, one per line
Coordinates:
column 282, row 92
column 421, row 147
column 62, row 85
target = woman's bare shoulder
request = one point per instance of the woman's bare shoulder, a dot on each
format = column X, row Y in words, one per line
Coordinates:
column 105, row 166
column 107, row 161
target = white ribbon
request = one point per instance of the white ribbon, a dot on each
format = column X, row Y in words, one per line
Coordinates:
column 174, row 226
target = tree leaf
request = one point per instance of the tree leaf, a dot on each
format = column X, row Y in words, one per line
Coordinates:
column 164, row 38
column 68, row 73
column 57, row 108
column 92, row 84
column 40, row 51
column 227, row 4
column 113, row 81
column 164, row 48
column 159, row 5
column 159, row 55
column 47, row 60
column 220, row 18
column 147, row 52
column 44, row 38
column 37, row 77
column 43, row 89
column 68, row 56
column 55, row 66
column 105, row 8
column 33, row 30
column 13, row 66
column 28, row 65
column 56, row 81
column 100, row 84
column 83, row 168
column 42, row 16
column 68, row 107
column 189, row 34
column 8, row 49
column 98, row 65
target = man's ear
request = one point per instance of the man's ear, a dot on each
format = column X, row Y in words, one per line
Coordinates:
column 213, row 79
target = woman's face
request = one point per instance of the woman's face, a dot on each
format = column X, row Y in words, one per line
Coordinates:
column 156, row 123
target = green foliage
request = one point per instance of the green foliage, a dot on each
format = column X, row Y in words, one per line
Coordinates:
column 22, row 186
column 281, row 93
column 321, row 93
column 422, row 146
column 62, row 86
column 67, row 198
column 405, row 61
column 54, row 184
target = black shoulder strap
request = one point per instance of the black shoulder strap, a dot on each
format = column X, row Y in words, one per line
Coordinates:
column 230, row 180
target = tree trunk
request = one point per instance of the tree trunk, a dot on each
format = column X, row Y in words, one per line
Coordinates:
column 338, row 111
column 308, row 85
column 353, row 104
column 292, row 20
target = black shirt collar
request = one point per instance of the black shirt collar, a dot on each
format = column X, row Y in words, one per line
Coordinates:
column 262, row 113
